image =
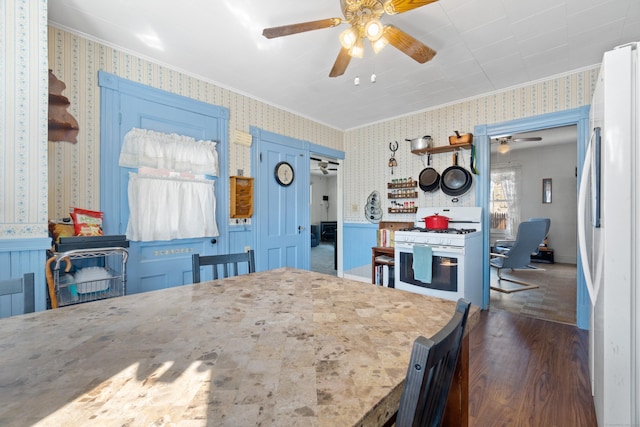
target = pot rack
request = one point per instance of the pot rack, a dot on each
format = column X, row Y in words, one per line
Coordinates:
column 445, row 148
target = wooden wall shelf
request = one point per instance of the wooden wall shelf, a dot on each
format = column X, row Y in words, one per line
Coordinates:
column 241, row 197
column 447, row 148
column 62, row 125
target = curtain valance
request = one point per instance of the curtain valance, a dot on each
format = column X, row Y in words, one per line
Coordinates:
column 143, row 147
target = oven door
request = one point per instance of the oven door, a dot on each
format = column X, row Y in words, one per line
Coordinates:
column 447, row 271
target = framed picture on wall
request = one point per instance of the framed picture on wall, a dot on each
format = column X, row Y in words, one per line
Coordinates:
column 546, row 190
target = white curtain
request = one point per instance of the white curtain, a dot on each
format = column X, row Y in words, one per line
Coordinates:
column 159, row 150
column 169, row 202
column 166, row 208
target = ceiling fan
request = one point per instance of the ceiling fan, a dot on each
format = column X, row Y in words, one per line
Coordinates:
column 363, row 16
column 504, row 141
column 323, row 165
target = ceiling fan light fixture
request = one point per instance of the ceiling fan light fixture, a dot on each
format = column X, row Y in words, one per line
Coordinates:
column 379, row 44
column 503, row 148
column 348, row 38
column 373, row 30
column 357, row 50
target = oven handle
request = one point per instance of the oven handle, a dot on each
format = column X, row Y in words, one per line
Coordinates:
column 435, row 248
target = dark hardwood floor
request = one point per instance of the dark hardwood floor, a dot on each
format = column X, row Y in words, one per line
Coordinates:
column 528, row 372
column 554, row 299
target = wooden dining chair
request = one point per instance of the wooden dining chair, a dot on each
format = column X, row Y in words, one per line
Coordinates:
column 22, row 285
column 430, row 373
column 228, row 263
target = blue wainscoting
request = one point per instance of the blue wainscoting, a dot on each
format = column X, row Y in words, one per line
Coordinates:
column 240, row 236
column 358, row 240
column 20, row 256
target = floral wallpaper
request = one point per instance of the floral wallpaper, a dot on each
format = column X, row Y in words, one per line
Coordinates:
column 76, row 61
column 367, row 149
column 72, row 172
column 23, row 119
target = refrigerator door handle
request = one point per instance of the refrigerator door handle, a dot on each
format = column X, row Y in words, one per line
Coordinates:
column 582, row 241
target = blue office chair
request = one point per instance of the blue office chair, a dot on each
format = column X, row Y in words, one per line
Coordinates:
column 530, row 235
column 503, row 246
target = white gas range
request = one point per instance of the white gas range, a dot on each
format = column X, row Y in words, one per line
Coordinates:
column 442, row 263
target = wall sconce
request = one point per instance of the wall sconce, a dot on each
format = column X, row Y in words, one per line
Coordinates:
column 392, row 161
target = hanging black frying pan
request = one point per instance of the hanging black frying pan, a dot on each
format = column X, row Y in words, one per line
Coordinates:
column 429, row 179
column 455, row 180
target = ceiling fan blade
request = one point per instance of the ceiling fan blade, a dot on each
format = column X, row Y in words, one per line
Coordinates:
column 392, row 7
column 341, row 64
column 407, row 44
column 286, row 30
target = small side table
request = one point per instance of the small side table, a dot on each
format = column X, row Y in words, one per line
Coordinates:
column 543, row 255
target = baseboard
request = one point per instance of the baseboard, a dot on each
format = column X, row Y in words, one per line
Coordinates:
column 357, row 278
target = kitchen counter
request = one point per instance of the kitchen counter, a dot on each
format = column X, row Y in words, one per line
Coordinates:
column 283, row 347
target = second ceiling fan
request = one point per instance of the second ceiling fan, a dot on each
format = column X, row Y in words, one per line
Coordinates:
column 504, row 141
column 364, row 19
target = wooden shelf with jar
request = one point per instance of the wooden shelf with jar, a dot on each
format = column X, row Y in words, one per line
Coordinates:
column 402, row 184
column 403, row 210
column 403, row 195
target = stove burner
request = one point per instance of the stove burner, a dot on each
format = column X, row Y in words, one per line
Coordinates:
column 443, row 230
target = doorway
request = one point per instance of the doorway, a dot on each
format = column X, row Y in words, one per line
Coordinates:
column 483, row 134
column 533, row 175
column 323, row 213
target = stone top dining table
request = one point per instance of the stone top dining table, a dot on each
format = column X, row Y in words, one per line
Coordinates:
column 284, row 347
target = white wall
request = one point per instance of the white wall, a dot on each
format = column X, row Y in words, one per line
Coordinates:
column 320, row 210
column 557, row 162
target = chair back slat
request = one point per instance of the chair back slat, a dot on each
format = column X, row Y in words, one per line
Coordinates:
column 21, row 285
column 430, row 373
column 225, row 262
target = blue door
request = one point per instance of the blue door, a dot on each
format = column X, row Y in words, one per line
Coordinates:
column 283, row 224
column 158, row 264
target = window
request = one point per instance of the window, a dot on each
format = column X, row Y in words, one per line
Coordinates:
column 504, row 206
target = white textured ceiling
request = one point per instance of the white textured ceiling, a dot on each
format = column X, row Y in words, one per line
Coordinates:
column 483, row 46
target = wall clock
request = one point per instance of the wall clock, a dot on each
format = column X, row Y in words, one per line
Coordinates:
column 284, row 173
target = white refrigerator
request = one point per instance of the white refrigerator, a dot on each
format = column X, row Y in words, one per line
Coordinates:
column 609, row 236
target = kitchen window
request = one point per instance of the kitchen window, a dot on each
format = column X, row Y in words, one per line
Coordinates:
column 504, row 205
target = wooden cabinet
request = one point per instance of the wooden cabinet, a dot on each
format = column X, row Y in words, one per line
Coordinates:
column 382, row 265
column 241, row 197
column 382, row 256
